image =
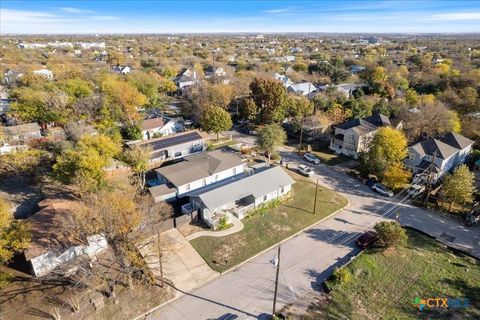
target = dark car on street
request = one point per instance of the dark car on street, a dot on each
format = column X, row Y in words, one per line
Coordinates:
column 366, row 239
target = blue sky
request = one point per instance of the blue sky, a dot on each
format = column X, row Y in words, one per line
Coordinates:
column 238, row 16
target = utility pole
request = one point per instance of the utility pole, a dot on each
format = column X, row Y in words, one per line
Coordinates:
column 315, row 201
column 430, row 180
column 160, row 265
column 301, row 133
column 277, row 262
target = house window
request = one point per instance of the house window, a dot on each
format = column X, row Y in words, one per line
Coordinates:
column 187, row 187
column 178, row 154
column 204, row 182
column 411, row 156
column 265, row 198
column 234, row 171
column 282, row 190
column 216, row 177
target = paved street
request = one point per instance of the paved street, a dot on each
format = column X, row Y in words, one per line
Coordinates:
column 309, row 258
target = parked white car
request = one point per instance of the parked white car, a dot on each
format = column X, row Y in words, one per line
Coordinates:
column 306, row 171
column 384, row 191
column 311, row 158
column 415, row 190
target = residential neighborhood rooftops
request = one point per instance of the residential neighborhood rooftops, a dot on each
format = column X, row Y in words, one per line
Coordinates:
column 172, row 140
column 45, row 226
column 161, row 190
column 21, row 128
column 366, row 124
column 256, row 185
column 199, row 166
column 153, row 123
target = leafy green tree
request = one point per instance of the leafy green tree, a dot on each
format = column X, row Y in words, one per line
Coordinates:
column 396, row 176
column 138, row 159
column 133, row 132
column 459, row 186
column 388, row 148
column 270, row 97
column 248, row 109
column 15, row 235
column 77, row 88
column 121, row 100
column 216, row 119
column 391, row 234
column 270, row 137
column 148, row 84
column 84, row 163
column 298, row 106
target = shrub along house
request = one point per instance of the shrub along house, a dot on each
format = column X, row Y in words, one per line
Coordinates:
column 196, row 172
column 234, row 199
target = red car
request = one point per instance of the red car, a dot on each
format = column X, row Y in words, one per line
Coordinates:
column 366, row 239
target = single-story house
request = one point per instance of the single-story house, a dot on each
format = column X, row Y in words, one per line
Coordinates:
column 120, row 69
column 354, row 136
column 44, row 72
column 175, row 146
column 161, row 127
column 284, row 79
column 212, row 71
column 50, row 247
column 303, row 88
column 23, row 132
column 345, row 89
column 449, row 151
column 196, row 172
column 186, row 78
column 233, row 200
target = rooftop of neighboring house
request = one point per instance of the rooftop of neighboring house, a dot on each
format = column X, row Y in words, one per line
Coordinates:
column 173, row 140
column 186, row 75
column 153, row 123
column 303, row 87
column 198, row 166
column 367, row 124
column 46, row 226
column 256, row 185
column 22, row 128
column 443, row 147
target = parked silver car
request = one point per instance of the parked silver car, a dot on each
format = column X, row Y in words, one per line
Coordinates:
column 384, row 191
column 311, row 158
column 306, row 171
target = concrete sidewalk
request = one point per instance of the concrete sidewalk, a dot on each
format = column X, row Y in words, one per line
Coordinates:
column 237, row 226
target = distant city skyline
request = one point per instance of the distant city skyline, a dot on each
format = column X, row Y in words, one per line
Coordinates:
column 104, row 17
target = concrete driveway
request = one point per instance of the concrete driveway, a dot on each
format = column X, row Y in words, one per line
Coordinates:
column 181, row 262
column 240, row 137
column 309, row 258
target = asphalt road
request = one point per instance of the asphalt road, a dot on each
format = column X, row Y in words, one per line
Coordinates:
column 309, row 258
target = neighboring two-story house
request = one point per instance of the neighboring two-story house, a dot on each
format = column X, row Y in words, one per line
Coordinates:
column 353, row 137
column 446, row 153
column 196, row 172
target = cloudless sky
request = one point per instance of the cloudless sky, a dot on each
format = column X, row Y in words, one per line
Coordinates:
column 238, row 16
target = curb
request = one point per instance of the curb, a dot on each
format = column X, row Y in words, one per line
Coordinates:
column 145, row 314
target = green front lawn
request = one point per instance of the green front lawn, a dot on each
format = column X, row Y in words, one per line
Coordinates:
column 327, row 156
column 263, row 230
column 385, row 284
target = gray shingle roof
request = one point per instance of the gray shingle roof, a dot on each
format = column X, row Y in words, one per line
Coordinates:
column 257, row 185
column 199, row 166
column 22, row 128
column 429, row 146
column 456, row 140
